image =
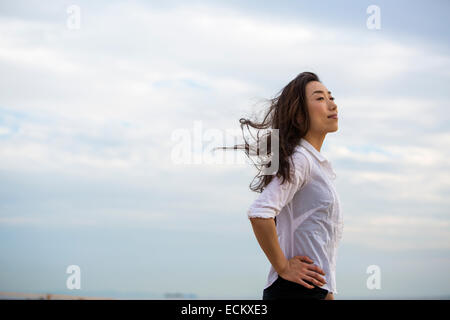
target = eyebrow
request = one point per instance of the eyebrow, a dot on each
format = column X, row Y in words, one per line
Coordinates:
column 320, row 91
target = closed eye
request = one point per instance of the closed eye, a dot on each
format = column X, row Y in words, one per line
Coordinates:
column 332, row 98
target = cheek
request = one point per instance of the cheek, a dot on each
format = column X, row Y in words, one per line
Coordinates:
column 314, row 107
column 318, row 111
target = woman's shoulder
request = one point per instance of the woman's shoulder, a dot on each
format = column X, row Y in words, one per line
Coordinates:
column 302, row 161
column 301, row 154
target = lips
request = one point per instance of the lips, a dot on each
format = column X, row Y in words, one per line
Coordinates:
column 334, row 116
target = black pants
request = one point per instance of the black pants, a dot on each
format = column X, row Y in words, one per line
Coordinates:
column 285, row 289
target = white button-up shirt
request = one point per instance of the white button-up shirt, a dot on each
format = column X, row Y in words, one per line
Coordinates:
column 308, row 216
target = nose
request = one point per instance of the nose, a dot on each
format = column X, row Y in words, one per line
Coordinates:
column 333, row 105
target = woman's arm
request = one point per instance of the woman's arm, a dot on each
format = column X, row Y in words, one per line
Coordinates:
column 266, row 234
column 297, row 269
column 262, row 212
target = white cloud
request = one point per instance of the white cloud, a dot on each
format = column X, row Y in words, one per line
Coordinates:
column 395, row 233
column 109, row 96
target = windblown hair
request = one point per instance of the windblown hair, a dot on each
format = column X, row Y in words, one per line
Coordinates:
column 289, row 114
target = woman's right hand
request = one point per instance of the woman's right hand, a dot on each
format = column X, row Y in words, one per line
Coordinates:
column 301, row 268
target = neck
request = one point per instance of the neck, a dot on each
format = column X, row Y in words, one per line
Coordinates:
column 315, row 140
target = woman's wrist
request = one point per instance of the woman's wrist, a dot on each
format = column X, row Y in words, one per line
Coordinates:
column 281, row 267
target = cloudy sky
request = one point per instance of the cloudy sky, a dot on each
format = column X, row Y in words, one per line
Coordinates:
column 94, row 98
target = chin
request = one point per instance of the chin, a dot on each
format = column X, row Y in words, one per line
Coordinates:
column 334, row 130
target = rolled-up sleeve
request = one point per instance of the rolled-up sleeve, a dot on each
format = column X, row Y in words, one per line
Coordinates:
column 275, row 195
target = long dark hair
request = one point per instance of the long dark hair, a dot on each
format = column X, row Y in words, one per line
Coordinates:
column 289, row 114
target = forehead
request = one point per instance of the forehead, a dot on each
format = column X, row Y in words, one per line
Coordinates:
column 313, row 86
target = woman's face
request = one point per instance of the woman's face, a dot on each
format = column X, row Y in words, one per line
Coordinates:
column 321, row 106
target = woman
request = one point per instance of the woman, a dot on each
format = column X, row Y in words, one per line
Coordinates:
column 296, row 218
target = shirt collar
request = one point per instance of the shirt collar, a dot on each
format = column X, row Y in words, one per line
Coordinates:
column 311, row 149
column 308, row 146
